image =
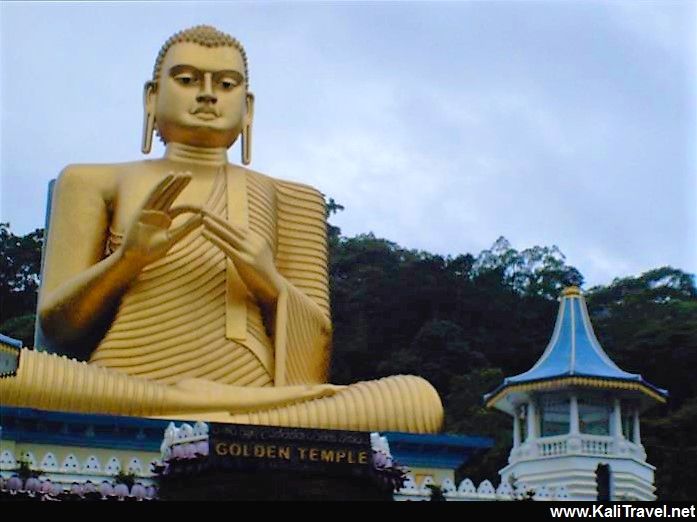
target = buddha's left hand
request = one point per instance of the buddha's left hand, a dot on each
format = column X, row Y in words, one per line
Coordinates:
column 251, row 254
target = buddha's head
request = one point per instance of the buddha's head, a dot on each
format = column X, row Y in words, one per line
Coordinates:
column 199, row 91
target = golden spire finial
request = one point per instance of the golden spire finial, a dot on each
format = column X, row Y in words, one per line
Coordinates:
column 571, row 291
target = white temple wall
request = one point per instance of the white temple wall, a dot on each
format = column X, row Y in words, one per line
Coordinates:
column 630, row 479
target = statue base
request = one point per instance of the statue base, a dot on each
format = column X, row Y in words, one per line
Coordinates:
column 241, row 462
column 196, row 484
column 69, row 453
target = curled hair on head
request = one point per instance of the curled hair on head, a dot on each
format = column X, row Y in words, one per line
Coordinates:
column 205, row 35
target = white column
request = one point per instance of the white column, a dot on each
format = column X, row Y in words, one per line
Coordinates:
column 616, row 424
column 573, row 416
column 532, row 415
column 516, row 427
column 637, row 434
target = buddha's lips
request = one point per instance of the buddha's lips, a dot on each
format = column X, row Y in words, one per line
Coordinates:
column 206, row 116
column 205, row 110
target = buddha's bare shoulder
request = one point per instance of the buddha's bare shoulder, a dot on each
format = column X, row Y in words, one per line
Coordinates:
column 104, row 178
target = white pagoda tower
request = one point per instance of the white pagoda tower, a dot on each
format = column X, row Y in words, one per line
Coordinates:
column 576, row 417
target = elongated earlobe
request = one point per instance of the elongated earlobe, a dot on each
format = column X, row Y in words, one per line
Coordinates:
column 246, row 144
column 148, row 118
column 246, row 139
column 148, row 130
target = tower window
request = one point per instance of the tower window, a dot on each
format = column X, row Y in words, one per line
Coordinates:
column 522, row 420
column 627, row 420
column 593, row 416
column 554, row 417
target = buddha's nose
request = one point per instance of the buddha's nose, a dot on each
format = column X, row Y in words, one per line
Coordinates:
column 206, row 95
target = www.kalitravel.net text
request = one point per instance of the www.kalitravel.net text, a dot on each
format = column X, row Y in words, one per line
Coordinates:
column 623, row 511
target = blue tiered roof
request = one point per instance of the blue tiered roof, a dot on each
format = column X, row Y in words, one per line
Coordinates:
column 573, row 357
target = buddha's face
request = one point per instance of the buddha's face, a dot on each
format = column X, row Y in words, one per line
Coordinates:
column 201, row 98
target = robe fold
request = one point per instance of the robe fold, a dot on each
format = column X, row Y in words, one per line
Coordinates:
column 190, row 314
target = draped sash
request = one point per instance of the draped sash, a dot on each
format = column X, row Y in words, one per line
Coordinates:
column 173, row 321
column 190, row 314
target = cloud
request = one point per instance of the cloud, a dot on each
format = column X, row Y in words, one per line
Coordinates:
column 668, row 25
column 438, row 126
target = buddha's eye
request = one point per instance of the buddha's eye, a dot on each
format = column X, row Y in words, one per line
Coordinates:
column 227, row 84
column 185, row 79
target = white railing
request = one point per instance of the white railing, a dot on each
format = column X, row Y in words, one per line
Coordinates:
column 466, row 490
column 574, row 445
column 596, row 445
column 552, row 446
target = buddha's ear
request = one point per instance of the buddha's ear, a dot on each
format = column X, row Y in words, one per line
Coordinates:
column 249, row 117
column 149, row 98
column 247, row 131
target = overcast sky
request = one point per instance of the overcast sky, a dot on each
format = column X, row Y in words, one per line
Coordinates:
column 440, row 126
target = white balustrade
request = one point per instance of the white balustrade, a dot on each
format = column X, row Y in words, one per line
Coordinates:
column 558, row 446
column 596, row 445
column 552, row 446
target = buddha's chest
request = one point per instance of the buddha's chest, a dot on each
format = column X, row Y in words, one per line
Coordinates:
column 244, row 199
column 136, row 186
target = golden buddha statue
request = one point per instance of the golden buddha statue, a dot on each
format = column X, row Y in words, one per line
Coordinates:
column 197, row 289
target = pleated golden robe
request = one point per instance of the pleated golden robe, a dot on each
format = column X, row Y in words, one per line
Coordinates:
column 190, row 315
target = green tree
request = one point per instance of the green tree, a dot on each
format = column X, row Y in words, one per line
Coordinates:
column 20, row 266
column 465, row 413
column 438, row 352
column 21, row 328
column 466, row 322
column 436, row 493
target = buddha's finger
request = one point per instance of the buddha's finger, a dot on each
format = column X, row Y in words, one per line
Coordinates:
column 178, row 233
column 184, row 209
column 155, row 193
column 213, row 219
column 186, row 179
column 327, row 390
column 166, row 194
column 227, row 249
column 242, row 250
column 171, row 193
column 310, row 392
column 224, row 232
column 333, row 388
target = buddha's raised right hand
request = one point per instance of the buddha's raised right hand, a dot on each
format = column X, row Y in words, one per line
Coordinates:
column 78, row 299
column 149, row 236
